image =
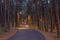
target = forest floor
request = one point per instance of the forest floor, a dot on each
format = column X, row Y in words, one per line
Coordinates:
column 48, row 35
column 6, row 35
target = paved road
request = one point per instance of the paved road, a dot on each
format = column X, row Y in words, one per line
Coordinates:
column 27, row 34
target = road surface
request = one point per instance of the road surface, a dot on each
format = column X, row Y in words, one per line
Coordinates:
column 27, row 34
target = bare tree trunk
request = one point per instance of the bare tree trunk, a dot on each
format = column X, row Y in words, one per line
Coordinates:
column 57, row 19
column 51, row 14
column 5, row 28
column 0, row 15
column 6, row 15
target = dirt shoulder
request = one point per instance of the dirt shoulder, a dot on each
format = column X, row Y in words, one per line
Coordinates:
column 7, row 35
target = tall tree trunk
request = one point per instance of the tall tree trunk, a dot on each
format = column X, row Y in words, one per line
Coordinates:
column 6, row 15
column 57, row 19
column 51, row 14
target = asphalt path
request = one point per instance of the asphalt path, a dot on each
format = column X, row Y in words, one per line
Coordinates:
column 27, row 34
